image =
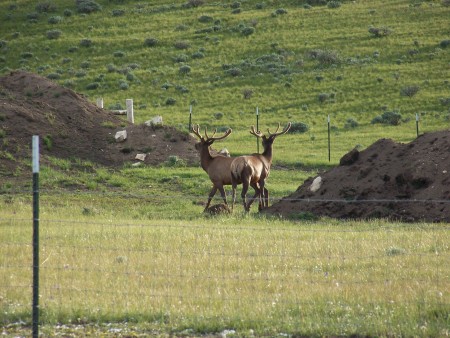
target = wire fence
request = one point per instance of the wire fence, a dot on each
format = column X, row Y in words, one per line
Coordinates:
column 234, row 272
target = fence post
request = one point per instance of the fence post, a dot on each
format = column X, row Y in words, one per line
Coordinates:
column 130, row 112
column 100, row 102
column 257, row 129
column 190, row 118
column 35, row 309
column 329, row 141
column 417, row 124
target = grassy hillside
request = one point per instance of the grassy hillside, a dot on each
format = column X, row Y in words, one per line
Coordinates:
column 294, row 61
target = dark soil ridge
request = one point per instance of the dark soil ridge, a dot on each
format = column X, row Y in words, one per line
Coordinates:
column 405, row 182
column 70, row 126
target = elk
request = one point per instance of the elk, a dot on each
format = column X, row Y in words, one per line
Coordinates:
column 253, row 170
column 217, row 167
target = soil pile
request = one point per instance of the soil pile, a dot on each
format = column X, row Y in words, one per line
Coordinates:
column 70, row 126
column 407, row 182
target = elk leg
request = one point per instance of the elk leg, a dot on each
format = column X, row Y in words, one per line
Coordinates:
column 222, row 193
column 244, row 194
column 211, row 195
column 266, row 198
column 233, row 194
column 256, row 195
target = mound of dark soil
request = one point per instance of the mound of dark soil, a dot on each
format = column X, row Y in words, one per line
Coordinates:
column 406, row 182
column 70, row 126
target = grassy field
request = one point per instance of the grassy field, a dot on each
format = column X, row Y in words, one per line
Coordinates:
column 294, row 62
column 128, row 252
column 241, row 273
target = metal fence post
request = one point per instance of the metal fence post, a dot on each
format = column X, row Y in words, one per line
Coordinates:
column 35, row 310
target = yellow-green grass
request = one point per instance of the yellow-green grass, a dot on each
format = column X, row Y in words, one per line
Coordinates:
column 234, row 272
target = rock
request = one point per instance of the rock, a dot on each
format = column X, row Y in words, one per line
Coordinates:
column 140, row 157
column 156, row 121
column 316, row 184
column 121, row 136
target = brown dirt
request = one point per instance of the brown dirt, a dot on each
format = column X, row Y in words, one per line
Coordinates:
column 407, row 182
column 33, row 105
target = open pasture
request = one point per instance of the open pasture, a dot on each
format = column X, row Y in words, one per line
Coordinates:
column 192, row 274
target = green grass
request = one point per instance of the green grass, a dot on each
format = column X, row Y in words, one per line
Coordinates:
column 275, row 63
column 130, row 249
column 242, row 273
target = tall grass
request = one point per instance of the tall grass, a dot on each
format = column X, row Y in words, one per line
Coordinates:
column 240, row 273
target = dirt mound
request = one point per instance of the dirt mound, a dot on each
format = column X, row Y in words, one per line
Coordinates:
column 70, row 126
column 406, row 182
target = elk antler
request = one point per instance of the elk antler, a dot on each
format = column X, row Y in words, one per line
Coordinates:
column 256, row 133
column 212, row 138
column 196, row 131
column 284, row 131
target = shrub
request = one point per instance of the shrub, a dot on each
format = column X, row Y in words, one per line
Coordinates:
column 444, row 43
column 88, row 6
column 54, row 20
column 85, row 64
column 185, row 69
column 170, row 101
column 380, row 31
column 181, row 58
column 123, row 85
column 119, row 54
column 26, row 55
column 181, row 45
column 323, row 97
column 175, row 161
column 351, row 123
column 150, row 42
column 194, row 3
column 86, row 42
column 67, row 12
column 280, row 11
column 118, row 12
column 205, row 19
column 198, row 55
column 235, row 4
column 53, row 76
column 299, row 127
column 247, row 93
column 111, row 68
column 248, row 31
column 409, row 91
column 392, row 118
column 32, row 16
column 182, row 89
column 46, row 7
column 234, row 71
column 316, row 2
column 325, row 56
column 218, row 115
column 334, row 4
column 93, row 85
column 48, row 142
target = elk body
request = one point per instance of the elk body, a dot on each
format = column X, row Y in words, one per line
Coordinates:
column 253, row 170
column 217, row 167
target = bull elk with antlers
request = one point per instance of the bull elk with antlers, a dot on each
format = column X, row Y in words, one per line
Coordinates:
column 253, row 170
column 218, row 166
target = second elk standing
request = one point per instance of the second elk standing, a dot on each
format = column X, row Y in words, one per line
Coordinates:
column 253, row 170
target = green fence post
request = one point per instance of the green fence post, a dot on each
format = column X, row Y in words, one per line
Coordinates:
column 35, row 310
column 417, row 124
column 329, row 142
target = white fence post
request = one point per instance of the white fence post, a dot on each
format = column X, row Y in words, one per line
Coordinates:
column 130, row 112
column 100, row 102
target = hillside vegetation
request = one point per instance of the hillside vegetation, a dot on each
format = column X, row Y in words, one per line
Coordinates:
column 371, row 66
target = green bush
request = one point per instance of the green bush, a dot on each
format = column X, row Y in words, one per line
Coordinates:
column 247, row 31
column 46, row 7
column 53, row 76
column 86, row 42
column 119, row 54
column 181, row 58
column 392, row 118
column 150, row 42
column 325, row 57
column 33, row 16
column 334, row 4
column 205, row 19
column 299, row 127
column 170, row 101
column 380, row 31
column 88, row 6
column 93, row 86
column 67, row 12
column 118, row 12
column 181, row 45
column 54, row 20
column 185, row 69
column 351, row 123
column 409, row 91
